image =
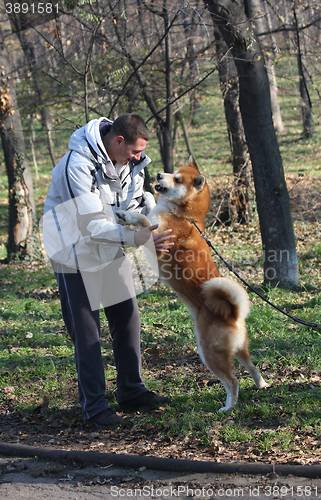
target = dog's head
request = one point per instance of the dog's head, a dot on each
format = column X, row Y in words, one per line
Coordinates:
column 186, row 187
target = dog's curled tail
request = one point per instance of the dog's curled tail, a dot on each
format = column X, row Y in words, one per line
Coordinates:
column 226, row 298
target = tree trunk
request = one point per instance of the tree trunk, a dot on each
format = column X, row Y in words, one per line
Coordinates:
column 306, row 104
column 179, row 120
column 277, row 117
column 189, row 29
column 237, row 209
column 280, row 258
column 276, row 112
column 32, row 146
column 21, row 199
column 29, row 53
column 165, row 140
column 167, row 130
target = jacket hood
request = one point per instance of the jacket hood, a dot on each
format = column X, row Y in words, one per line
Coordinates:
column 93, row 134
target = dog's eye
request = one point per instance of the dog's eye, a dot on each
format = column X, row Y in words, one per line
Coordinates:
column 177, row 180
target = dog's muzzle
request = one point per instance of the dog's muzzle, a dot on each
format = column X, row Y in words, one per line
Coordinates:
column 159, row 188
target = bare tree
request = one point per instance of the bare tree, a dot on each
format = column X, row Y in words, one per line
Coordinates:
column 30, row 56
column 306, row 104
column 190, row 25
column 269, row 46
column 298, row 22
column 237, row 208
column 164, row 124
column 20, row 187
column 280, row 258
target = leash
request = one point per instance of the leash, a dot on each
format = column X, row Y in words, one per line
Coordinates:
column 294, row 318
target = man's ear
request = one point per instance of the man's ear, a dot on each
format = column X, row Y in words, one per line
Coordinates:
column 119, row 139
column 199, row 182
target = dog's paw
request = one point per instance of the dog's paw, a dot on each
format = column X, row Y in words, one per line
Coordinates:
column 262, row 384
column 132, row 218
column 122, row 217
column 149, row 201
column 225, row 409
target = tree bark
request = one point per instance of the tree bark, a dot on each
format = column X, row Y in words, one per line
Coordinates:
column 29, row 53
column 21, row 198
column 189, row 28
column 306, row 104
column 167, row 130
column 237, row 209
column 276, row 111
column 279, row 252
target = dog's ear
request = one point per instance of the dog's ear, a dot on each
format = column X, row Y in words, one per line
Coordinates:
column 199, row 182
column 192, row 162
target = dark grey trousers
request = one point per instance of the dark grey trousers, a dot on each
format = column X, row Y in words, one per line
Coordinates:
column 83, row 326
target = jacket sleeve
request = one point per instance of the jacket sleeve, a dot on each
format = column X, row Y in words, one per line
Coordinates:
column 93, row 218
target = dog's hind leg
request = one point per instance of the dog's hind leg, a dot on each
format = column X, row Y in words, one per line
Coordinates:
column 220, row 364
column 232, row 392
column 244, row 359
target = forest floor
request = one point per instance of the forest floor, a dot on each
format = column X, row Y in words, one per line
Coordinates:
column 31, row 478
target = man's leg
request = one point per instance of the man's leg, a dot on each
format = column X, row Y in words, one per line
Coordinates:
column 124, row 324
column 84, row 329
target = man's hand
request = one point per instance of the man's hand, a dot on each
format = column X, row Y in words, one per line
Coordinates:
column 161, row 240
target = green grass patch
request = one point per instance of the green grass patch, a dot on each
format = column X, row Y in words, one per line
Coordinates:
column 36, row 362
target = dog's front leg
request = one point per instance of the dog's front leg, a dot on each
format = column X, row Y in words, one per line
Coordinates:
column 132, row 218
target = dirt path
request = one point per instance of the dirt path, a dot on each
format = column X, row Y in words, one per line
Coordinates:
column 29, row 478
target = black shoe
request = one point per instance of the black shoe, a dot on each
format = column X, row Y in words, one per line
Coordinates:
column 106, row 419
column 148, row 399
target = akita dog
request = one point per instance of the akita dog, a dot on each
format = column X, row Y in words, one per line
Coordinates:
column 218, row 306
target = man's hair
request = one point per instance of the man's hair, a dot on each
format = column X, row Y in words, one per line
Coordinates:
column 131, row 127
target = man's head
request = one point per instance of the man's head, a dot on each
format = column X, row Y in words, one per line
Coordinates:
column 126, row 139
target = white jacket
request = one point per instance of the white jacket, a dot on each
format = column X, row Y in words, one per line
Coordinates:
column 79, row 227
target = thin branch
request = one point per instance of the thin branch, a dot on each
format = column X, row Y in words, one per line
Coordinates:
column 62, row 84
column 284, row 28
column 192, row 87
column 87, row 68
column 59, row 52
column 139, row 65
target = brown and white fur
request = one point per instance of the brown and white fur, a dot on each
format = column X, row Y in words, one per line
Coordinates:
column 218, row 305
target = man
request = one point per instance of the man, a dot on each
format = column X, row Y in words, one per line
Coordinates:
column 102, row 172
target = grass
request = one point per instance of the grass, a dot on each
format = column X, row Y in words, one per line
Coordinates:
column 281, row 423
column 36, row 362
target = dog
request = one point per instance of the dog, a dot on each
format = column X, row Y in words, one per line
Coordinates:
column 218, row 306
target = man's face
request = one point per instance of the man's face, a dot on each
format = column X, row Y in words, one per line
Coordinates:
column 125, row 152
